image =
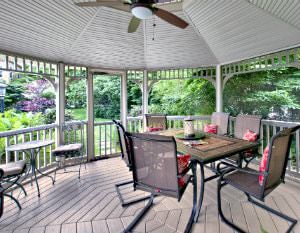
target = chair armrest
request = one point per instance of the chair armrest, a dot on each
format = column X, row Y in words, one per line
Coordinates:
column 231, row 168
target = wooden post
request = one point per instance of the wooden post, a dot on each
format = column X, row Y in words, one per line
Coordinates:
column 60, row 104
column 90, row 117
column 145, row 97
column 124, row 99
column 219, row 89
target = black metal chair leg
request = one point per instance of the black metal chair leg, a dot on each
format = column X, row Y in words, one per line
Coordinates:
column 140, row 215
column 201, row 196
column 279, row 214
column 220, row 185
column 194, row 209
column 129, row 202
column 14, row 199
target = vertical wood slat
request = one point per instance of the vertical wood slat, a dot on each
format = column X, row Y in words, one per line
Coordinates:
column 116, row 139
column 105, row 140
column 38, row 154
column 100, row 141
column 297, row 150
column 16, row 153
column 262, row 139
column 23, row 140
column 50, row 138
column 268, row 134
column 110, row 138
column 7, row 154
column 45, row 149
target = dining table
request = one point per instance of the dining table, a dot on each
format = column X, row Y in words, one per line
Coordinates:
column 209, row 149
column 32, row 149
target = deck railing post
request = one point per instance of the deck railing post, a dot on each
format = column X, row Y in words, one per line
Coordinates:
column 90, row 117
column 60, row 104
column 145, row 97
column 124, row 99
column 219, row 89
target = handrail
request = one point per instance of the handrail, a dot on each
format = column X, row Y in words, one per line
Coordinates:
column 27, row 130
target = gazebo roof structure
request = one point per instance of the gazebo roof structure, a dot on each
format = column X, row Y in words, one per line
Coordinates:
column 220, row 32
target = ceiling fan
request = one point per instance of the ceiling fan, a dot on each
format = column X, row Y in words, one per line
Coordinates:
column 141, row 9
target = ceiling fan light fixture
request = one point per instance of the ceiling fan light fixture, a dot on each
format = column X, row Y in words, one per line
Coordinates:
column 141, row 12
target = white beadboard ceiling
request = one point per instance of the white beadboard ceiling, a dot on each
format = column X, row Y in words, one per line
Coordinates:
column 220, row 31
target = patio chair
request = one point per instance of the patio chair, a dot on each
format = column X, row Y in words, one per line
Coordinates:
column 220, row 119
column 125, row 154
column 156, row 122
column 155, row 170
column 259, row 184
column 243, row 123
column 10, row 175
column 72, row 150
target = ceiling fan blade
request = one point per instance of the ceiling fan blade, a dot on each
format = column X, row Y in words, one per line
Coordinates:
column 99, row 3
column 134, row 24
column 170, row 18
column 171, row 7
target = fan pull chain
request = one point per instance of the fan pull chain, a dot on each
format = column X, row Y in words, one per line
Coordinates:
column 154, row 25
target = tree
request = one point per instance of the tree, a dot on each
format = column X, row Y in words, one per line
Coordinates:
column 183, row 97
column 273, row 94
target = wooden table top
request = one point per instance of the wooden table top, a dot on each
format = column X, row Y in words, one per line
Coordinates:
column 214, row 147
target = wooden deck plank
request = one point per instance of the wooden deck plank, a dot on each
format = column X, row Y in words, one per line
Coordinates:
column 68, row 228
column 212, row 219
column 100, row 226
column 224, row 228
column 115, row 225
column 53, row 229
column 84, row 227
column 92, row 205
column 37, row 230
column 252, row 219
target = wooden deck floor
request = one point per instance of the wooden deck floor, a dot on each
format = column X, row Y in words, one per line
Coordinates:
column 91, row 205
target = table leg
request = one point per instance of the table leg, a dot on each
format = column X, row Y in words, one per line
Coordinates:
column 201, row 193
column 45, row 175
column 33, row 167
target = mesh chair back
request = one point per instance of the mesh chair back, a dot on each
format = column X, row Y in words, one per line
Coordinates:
column 156, row 120
column 278, row 157
column 154, row 163
column 244, row 122
column 220, row 119
column 123, row 143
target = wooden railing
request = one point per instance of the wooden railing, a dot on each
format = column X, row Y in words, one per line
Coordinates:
column 107, row 142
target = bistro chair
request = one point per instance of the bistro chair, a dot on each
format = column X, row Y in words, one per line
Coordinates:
column 220, row 119
column 155, row 170
column 10, row 175
column 244, row 123
column 70, row 150
column 125, row 154
column 259, row 184
column 156, row 122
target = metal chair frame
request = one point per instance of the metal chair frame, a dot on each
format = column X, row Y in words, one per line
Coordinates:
column 154, row 192
column 121, row 131
column 262, row 194
column 12, row 180
column 242, row 158
column 61, row 165
column 148, row 117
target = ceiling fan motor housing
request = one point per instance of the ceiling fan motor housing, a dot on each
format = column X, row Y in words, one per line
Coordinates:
column 142, row 9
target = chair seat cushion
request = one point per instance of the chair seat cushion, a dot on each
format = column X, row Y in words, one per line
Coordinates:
column 11, row 169
column 211, row 128
column 66, row 150
column 245, row 182
column 183, row 162
column 154, row 129
column 250, row 136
